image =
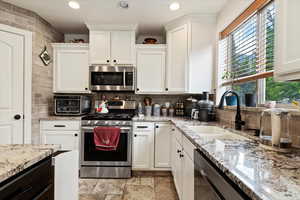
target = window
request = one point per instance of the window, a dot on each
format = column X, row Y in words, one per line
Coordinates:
column 246, row 57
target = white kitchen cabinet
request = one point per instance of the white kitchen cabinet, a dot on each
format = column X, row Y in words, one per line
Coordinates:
column 177, row 166
column 183, row 165
column 163, row 140
column 177, row 41
column 122, row 47
column 143, row 146
column 99, row 47
column 66, row 173
column 71, row 68
column 61, row 132
column 112, row 47
column 190, row 61
column 151, row 63
column 287, row 41
column 187, row 177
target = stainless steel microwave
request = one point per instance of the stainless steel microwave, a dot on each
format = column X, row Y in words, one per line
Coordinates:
column 112, row 78
column 72, row 105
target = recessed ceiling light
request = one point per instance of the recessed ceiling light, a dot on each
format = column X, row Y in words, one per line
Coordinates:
column 74, row 4
column 124, row 4
column 174, row 6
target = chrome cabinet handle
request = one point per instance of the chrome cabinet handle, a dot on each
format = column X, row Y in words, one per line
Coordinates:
column 59, row 126
column 17, row 117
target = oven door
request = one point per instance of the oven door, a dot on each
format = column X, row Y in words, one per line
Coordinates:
column 111, row 78
column 90, row 156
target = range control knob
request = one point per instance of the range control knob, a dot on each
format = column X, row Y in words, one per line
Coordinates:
column 117, row 123
column 95, row 122
column 88, row 122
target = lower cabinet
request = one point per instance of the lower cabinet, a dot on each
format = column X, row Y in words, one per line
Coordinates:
column 63, row 132
column 163, row 139
column 143, row 146
column 152, row 146
column 183, row 166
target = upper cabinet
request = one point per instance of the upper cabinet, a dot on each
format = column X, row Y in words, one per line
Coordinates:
column 113, row 45
column 151, row 62
column 99, row 47
column 287, row 41
column 190, row 64
column 71, row 68
column 177, row 40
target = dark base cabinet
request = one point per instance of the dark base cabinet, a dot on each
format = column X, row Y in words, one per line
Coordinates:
column 35, row 183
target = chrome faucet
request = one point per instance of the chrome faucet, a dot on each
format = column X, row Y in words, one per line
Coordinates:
column 238, row 119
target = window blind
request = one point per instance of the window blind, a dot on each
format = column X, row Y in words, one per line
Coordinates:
column 247, row 53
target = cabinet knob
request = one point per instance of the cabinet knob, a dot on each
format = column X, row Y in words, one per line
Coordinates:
column 167, row 89
column 173, row 129
column 181, row 155
column 178, row 151
column 137, row 89
column 157, row 126
column 135, row 135
column 75, row 134
column 17, row 117
column 115, row 61
column 86, row 88
column 107, row 61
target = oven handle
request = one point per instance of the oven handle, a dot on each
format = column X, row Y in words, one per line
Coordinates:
column 92, row 128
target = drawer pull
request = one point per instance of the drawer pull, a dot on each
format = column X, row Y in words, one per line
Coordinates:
column 142, row 126
column 75, row 134
column 178, row 151
column 59, row 126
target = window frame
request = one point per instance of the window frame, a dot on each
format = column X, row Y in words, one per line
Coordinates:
column 261, row 82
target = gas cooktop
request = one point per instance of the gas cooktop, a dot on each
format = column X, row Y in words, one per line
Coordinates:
column 108, row 116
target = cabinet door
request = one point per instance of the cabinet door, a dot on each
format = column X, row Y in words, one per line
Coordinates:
column 66, row 176
column 177, row 167
column 287, row 54
column 187, row 177
column 150, row 65
column 177, row 59
column 99, row 47
column 163, row 139
column 71, row 71
column 67, row 139
column 122, row 47
column 143, row 150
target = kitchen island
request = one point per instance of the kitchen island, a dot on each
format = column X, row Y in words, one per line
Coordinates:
column 26, row 171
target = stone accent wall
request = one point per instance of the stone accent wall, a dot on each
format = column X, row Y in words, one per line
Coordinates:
column 252, row 118
column 43, row 35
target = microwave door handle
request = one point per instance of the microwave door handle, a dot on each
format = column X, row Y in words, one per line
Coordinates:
column 124, row 78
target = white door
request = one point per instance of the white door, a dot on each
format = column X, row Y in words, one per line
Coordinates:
column 69, row 140
column 66, row 175
column 177, row 59
column 99, row 47
column 287, row 54
column 187, row 177
column 150, row 66
column 143, row 150
column 72, row 71
column 11, row 88
column 122, row 47
column 163, row 140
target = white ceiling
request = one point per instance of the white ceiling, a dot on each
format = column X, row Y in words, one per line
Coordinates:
column 150, row 15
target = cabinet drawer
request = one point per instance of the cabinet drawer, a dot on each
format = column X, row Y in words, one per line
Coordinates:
column 60, row 125
column 30, row 184
column 143, row 127
column 188, row 147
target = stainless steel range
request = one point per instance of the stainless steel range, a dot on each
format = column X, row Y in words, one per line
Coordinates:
column 108, row 164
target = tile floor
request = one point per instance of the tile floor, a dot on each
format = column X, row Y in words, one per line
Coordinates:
column 136, row 188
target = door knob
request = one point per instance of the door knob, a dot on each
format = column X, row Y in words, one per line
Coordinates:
column 17, row 117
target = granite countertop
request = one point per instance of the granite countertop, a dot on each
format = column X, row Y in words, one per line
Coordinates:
column 261, row 174
column 53, row 117
column 16, row 158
